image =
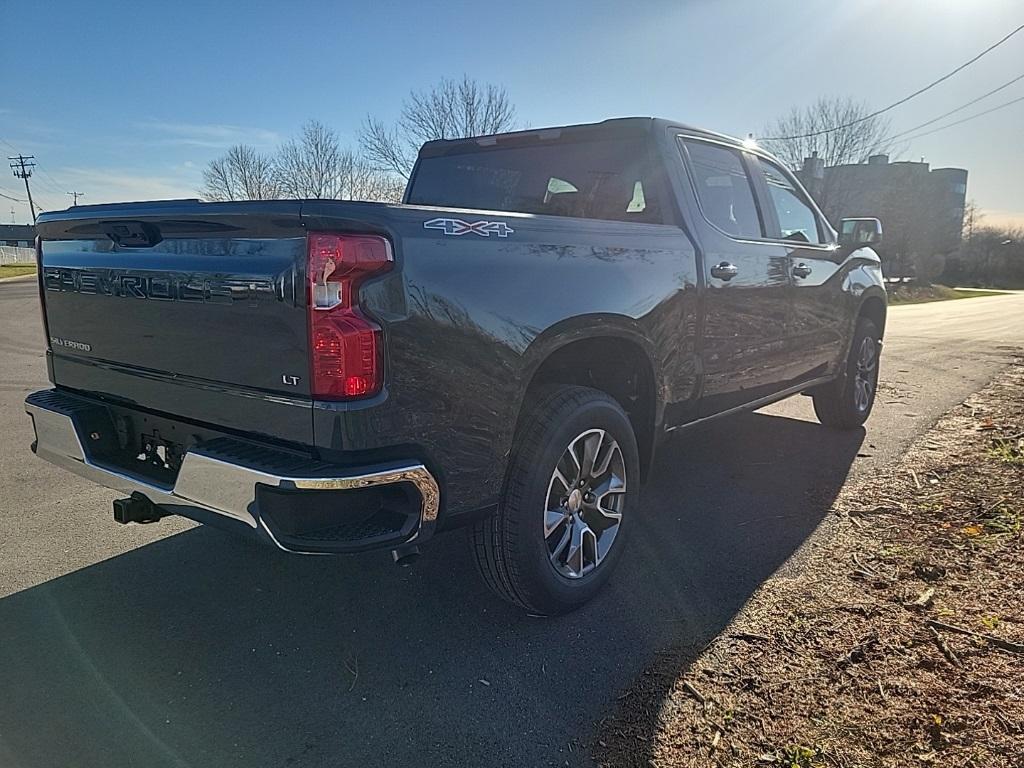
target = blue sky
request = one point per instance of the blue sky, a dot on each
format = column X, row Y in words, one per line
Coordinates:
column 130, row 100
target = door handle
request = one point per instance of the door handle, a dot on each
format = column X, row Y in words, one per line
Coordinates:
column 801, row 270
column 725, row 271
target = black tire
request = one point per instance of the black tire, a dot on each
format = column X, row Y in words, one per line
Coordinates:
column 512, row 552
column 846, row 402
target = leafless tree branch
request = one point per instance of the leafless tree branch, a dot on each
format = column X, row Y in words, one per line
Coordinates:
column 849, row 145
column 452, row 109
column 852, row 144
column 241, row 173
column 313, row 166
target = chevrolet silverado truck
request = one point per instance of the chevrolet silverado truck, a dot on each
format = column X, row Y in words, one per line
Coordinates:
column 505, row 350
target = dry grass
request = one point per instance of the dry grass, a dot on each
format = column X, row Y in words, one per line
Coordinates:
column 918, row 294
column 898, row 642
column 14, row 270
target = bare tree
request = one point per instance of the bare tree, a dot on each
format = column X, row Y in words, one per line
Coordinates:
column 360, row 180
column 311, row 166
column 972, row 219
column 316, row 166
column 452, row 109
column 804, row 131
column 838, row 131
column 242, row 173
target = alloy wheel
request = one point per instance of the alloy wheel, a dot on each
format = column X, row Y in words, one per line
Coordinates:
column 584, row 504
column 867, row 374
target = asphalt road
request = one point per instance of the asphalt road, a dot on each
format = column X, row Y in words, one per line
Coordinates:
column 178, row 645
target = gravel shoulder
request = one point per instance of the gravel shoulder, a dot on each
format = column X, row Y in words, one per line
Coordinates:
column 896, row 640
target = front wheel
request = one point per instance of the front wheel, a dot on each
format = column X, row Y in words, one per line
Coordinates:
column 571, row 486
column 846, row 402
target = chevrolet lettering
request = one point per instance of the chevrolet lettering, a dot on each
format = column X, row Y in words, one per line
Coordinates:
column 162, row 287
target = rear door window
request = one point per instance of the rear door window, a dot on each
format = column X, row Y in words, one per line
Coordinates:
column 599, row 179
column 724, row 188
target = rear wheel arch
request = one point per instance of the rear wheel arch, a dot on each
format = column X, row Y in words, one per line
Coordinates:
column 618, row 364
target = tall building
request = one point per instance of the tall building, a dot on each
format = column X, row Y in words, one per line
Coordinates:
column 922, row 209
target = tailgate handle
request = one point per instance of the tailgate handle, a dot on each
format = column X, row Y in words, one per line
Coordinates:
column 132, row 234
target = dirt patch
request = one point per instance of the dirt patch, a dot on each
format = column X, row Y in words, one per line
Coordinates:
column 898, row 639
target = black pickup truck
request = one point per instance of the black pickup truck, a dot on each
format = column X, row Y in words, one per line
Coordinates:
column 504, row 350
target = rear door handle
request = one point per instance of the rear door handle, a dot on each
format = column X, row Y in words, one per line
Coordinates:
column 801, row 270
column 725, row 271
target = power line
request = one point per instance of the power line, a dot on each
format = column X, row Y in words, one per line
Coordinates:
column 75, row 196
column 871, row 143
column 1007, row 84
column 5, row 192
column 968, row 119
column 904, row 100
column 51, row 183
column 56, row 187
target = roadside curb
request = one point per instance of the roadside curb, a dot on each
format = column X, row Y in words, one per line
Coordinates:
column 16, row 278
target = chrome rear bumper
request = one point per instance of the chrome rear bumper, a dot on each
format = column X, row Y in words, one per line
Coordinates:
column 212, row 479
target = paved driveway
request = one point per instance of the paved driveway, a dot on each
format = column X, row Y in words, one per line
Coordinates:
column 174, row 645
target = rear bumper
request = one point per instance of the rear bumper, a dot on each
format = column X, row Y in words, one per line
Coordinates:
column 243, row 486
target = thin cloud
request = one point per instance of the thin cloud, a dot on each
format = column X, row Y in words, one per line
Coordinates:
column 207, row 135
column 106, row 185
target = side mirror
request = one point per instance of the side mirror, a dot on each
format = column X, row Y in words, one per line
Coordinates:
column 858, row 232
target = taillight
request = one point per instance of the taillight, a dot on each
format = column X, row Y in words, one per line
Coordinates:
column 345, row 346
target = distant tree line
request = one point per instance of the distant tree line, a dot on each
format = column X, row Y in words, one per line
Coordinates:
column 316, row 165
column 989, row 256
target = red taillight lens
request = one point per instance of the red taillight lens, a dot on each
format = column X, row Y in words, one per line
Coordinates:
column 344, row 345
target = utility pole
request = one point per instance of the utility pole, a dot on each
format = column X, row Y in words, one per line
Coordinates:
column 76, row 195
column 22, row 170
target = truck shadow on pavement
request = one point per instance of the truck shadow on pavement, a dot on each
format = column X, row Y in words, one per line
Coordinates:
column 202, row 650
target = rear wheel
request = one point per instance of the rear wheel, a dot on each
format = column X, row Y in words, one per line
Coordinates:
column 572, row 482
column 846, row 402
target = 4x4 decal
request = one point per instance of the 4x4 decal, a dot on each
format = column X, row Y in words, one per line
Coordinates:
column 460, row 227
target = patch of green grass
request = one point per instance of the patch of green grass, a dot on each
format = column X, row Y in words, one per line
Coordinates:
column 991, row 621
column 13, row 270
column 1007, row 452
column 799, row 756
column 1003, row 522
column 921, row 294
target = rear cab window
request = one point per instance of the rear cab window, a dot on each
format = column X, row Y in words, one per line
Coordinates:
column 610, row 179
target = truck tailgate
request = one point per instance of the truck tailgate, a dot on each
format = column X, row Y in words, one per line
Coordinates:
column 199, row 309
